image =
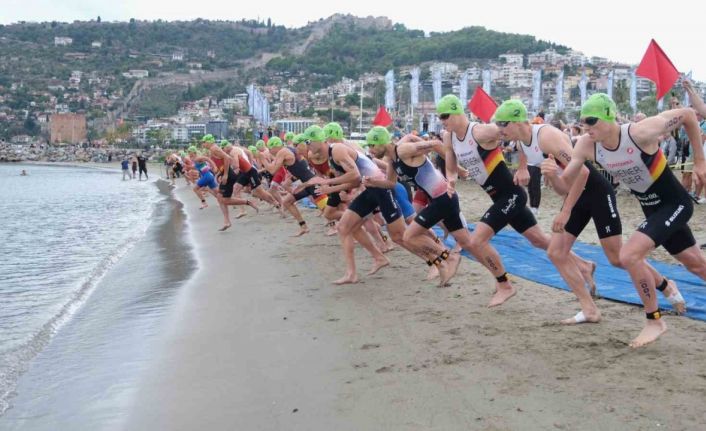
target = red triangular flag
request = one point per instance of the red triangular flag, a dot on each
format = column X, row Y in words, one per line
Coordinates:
column 382, row 118
column 657, row 67
column 482, row 105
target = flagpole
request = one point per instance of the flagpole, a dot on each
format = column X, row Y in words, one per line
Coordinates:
column 360, row 123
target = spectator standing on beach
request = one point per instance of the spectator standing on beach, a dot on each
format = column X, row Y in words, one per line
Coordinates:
column 125, row 164
column 134, row 167
column 669, row 147
column 142, row 163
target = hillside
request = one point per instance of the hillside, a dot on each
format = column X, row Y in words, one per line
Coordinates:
column 38, row 73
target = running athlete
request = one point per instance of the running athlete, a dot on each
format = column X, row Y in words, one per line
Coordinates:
column 247, row 175
column 476, row 148
column 631, row 154
column 334, row 208
column 276, row 181
column 407, row 160
column 591, row 196
column 355, row 168
column 288, row 158
column 225, row 175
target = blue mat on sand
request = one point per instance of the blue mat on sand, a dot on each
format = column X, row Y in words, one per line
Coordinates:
column 612, row 283
column 307, row 203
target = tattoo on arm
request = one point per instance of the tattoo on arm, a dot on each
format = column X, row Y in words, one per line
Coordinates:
column 426, row 146
column 673, row 123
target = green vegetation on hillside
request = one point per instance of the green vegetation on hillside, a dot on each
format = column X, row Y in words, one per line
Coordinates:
column 349, row 50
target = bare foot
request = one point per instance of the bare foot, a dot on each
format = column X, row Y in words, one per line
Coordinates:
column 203, row 205
column 674, row 297
column 651, row 332
column 379, row 263
column 454, row 261
column 503, row 292
column 433, row 272
column 447, row 270
column 304, row 230
column 225, row 227
column 253, row 206
column 332, row 230
column 581, row 317
column 347, row 279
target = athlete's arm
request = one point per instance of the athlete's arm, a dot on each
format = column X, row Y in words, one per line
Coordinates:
column 390, row 180
column 276, row 165
column 451, row 164
column 582, row 151
column 694, row 97
column 646, row 133
column 342, row 156
column 522, row 176
column 486, row 135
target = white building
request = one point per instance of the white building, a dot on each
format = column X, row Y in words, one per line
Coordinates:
column 445, row 68
column 294, row 125
column 549, row 56
column 196, row 129
column 512, row 59
column 136, row 73
column 62, row 41
column 178, row 56
column 96, row 44
column 520, row 78
column 180, row 133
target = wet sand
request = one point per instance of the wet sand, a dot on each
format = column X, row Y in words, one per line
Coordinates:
column 262, row 341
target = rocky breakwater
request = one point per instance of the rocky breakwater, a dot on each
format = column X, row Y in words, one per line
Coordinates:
column 70, row 153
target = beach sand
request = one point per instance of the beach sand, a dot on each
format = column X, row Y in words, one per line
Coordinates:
column 261, row 340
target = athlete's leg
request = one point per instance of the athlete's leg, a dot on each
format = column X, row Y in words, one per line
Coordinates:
column 632, row 258
column 559, row 253
column 350, row 222
column 479, row 246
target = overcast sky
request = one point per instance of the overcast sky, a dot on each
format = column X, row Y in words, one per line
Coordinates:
column 618, row 30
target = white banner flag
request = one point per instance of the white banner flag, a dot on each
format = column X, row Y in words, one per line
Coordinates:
column 414, row 87
column 463, row 89
column 609, row 89
column 560, row 91
column 537, row 90
column 660, row 105
column 486, row 81
column 251, row 99
column 686, row 95
column 582, row 87
column 390, row 90
column 436, row 84
column 633, row 91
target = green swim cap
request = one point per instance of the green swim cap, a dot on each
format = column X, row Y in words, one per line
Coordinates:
column 511, row 110
column 182, row 153
column 289, row 136
column 333, row 131
column 298, row 139
column 449, row 104
column 260, row 144
column 274, row 142
column 208, row 138
column 192, row 149
column 378, row 135
column 224, row 143
column 253, row 149
column 314, row 134
column 601, row 106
